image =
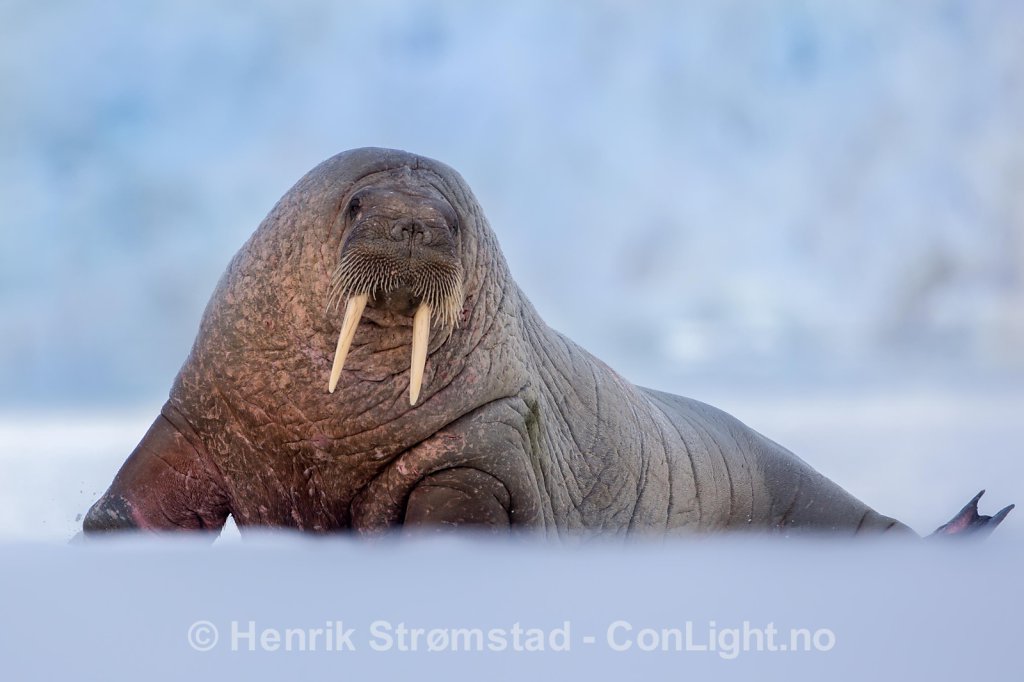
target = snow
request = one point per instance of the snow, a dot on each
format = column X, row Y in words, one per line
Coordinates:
column 124, row 610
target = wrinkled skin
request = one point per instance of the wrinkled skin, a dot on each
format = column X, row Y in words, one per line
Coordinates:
column 516, row 426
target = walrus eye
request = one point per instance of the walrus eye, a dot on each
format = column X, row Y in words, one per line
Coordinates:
column 455, row 226
column 354, row 206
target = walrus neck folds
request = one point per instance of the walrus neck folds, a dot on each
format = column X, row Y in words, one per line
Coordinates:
column 400, row 253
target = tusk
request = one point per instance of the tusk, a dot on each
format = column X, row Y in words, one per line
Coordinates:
column 353, row 311
column 420, row 337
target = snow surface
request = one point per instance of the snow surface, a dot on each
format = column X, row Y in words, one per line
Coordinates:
column 123, row 611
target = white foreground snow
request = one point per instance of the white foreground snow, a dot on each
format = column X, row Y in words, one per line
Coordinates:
column 127, row 610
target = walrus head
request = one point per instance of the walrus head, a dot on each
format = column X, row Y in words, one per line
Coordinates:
column 400, row 253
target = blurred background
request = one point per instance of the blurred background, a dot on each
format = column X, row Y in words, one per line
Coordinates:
column 809, row 214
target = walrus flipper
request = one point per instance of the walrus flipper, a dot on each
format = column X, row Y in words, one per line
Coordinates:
column 162, row 486
column 970, row 523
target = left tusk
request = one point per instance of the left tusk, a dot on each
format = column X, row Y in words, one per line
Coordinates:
column 420, row 338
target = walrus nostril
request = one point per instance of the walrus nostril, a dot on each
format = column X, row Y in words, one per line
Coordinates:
column 402, row 230
column 410, row 230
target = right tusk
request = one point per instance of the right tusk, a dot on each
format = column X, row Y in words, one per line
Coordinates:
column 420, row 338
column 353, row 312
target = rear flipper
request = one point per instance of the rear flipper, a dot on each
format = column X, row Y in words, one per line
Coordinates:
column 971, row 524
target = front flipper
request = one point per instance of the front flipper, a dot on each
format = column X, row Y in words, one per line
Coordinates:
column 458, row 498
column 969, row 523
column 163, row 485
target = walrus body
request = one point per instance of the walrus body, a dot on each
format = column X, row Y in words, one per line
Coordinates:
column 511, row 425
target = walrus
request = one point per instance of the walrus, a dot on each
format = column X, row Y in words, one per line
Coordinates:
column 367, row 362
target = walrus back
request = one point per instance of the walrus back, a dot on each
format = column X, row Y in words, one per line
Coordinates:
column 743, row 480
